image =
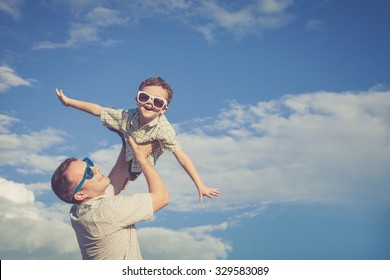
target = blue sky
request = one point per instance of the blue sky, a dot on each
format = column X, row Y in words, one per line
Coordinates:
column 282, row 104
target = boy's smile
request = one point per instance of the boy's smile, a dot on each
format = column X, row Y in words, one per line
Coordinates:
column 147, row 111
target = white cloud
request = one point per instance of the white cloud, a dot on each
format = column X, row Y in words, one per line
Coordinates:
column 24, row 151
column 380, row 87
column 12, row 7
column 251, row 18
column 31, row 230
column 314, row 25
column 185, row 244
column 9, row 78
column 90, row 21
column 274, row 6
column 5, row 122
column 88, row 29
column 15, row 192
column 101, row 16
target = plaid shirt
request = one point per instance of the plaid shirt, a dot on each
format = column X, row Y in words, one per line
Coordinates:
column 127, row 121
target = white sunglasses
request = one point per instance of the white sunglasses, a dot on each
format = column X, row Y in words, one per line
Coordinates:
column 158, row 102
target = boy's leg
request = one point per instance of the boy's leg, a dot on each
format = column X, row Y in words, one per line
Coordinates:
column 132, row 175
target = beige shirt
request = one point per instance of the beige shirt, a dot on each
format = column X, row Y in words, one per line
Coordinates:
column 105, row 225
column 127, row 122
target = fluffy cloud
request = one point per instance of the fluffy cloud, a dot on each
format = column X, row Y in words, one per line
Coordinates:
column 88, row 29
column 251, row 17
column 274, row 6
column 9, row 78
column 186, row 244
column 314, row 25
column 15, row 192
column 12, row 7
column 42, row 232
column 6, row 122
column 90, row 23
column 24, row 151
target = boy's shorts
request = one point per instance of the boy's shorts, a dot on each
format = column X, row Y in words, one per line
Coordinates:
column 132, row 175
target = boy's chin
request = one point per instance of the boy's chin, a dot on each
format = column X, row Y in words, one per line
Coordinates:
column 149, row 113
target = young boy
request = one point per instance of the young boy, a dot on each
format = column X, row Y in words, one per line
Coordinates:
column 145, row 123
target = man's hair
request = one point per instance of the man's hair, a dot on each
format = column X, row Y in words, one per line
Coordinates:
column 60, row 184
column 157, row 81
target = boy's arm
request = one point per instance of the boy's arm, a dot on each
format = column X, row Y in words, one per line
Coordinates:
column 91, row 108
column 189, row 167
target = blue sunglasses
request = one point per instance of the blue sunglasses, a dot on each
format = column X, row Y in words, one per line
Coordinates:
column 88, row 174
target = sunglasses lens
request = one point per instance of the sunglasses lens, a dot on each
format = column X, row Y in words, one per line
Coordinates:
column 158, row 103
column 89, row 173
column 143, row 97
column 87, row 160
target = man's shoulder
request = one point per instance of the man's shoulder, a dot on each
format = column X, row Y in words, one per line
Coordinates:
column 109, row 198
column 124, row 202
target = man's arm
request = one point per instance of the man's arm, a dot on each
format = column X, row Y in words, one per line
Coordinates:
column 157, row 188
column 118, row 175
column 91, row 108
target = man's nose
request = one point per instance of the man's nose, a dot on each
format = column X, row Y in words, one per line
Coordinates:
column 96, row 169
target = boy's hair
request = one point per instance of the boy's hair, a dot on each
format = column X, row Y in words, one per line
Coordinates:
column 60, row 184
column 157, row 81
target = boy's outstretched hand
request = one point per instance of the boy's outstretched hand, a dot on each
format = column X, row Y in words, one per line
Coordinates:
column 62, row 97
column 205, row 191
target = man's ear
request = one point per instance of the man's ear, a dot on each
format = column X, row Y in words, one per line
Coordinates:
column 80, row 196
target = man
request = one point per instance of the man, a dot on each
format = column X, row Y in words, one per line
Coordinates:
column 103, row 221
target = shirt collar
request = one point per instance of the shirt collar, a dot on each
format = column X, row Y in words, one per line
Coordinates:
column 135, row 120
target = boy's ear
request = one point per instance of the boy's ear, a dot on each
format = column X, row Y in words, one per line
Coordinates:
column 163, row 110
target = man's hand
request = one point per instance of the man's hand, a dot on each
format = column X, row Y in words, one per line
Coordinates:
column 142, row 151
column 62, row 97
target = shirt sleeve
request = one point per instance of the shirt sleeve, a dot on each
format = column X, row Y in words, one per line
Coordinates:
column 168, row 140
column 116, row 119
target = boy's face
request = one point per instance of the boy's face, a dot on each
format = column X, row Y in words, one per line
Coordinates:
column 147, row 110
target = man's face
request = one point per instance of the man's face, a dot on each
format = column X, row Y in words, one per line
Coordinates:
column 92, row 187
